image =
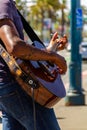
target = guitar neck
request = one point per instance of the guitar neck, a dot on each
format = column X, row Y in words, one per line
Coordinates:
column 15, row 68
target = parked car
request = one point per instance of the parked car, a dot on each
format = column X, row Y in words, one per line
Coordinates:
column 68, row 47
column 84, row 49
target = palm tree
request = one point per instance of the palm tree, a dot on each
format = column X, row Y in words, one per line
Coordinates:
column 44, row 9
column 63, row 6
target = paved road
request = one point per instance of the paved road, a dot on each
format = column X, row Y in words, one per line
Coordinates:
column 73, row 117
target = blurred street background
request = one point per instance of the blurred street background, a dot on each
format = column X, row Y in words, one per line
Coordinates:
column 66, row 17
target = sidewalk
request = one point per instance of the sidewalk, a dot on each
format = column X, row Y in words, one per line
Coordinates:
column 73, row 117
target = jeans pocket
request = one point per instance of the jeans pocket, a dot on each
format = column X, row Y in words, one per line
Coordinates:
column 12, row 104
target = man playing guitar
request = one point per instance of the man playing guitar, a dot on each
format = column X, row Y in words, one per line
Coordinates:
column 16, row 105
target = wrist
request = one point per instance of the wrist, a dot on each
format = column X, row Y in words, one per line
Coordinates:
column 51, row 48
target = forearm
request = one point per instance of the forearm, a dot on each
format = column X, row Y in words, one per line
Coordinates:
column 29, row 52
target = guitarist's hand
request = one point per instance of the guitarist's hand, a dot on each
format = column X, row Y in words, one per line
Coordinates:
column 61, row 63
column 56, row 43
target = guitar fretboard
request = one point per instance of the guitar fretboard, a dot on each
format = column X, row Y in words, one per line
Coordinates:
column 15, row 68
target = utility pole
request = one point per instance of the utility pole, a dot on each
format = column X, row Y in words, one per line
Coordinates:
column 75, row 94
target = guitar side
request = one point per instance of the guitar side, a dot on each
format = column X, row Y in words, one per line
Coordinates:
column 51, row 88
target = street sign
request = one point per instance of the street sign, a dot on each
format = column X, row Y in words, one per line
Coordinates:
column 79, row 18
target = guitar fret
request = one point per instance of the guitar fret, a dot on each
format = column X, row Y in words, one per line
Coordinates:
column 10, row 61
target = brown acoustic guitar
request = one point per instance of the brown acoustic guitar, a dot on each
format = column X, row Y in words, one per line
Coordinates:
column 42, row 76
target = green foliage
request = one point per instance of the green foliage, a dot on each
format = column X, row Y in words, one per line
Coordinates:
column 41, row 10
column 20, row 4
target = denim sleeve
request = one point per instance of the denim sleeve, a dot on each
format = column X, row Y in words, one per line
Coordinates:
column 5, row 9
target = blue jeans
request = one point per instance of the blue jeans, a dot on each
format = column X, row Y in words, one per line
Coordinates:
column 18, row 112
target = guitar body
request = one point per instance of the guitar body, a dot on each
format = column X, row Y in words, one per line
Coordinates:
column 39, row 73
column 51, row 88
